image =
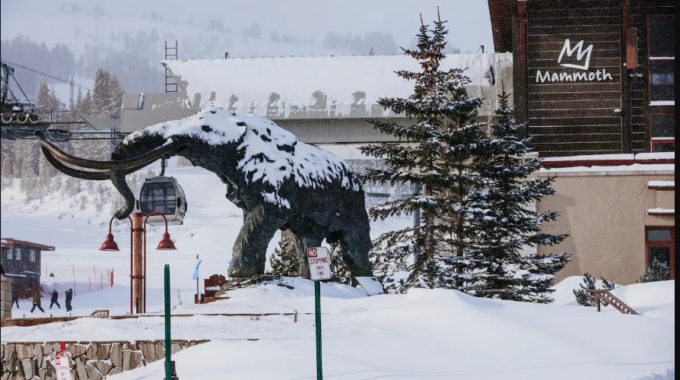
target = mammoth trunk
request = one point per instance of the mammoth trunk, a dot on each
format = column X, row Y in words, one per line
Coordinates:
column 118, row 180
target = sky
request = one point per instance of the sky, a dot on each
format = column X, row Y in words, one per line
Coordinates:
column 469, row 20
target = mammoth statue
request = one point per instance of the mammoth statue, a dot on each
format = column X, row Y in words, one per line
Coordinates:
column 278, row 181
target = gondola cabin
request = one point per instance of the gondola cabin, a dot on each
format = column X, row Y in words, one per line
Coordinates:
column 163, row 195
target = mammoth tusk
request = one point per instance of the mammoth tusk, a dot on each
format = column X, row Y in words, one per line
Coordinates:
column 135, row 162
column 94, row 176
column 82, row 174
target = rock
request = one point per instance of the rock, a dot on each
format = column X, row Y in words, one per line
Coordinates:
column 28, row 366
column 115, row 371
column 174, row 348
column 98, row 351
column 148, row 351
column 76, row 349
column 24, row 351
column 92, row 372
column 38, row 353
column 80, row 368
column 104, row 366
column 116, row 355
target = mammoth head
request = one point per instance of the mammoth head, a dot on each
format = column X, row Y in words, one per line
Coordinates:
column 210, row 126
column 114, row 170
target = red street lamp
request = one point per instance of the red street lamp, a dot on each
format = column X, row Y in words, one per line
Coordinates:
column 138, row 252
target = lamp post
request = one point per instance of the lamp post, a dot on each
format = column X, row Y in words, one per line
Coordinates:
column 138, row 255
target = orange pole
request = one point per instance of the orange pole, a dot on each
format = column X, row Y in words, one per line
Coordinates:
column 137, row 258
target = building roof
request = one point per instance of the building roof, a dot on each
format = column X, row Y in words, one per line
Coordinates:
column 501, row 12
column 321, row 87
column 9, row 242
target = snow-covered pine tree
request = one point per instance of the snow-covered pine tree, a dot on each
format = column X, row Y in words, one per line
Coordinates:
column 657, row 271
column 339, row 269
column 284, row 260
column 582, row 294
column 434, row 153
column 504, row 216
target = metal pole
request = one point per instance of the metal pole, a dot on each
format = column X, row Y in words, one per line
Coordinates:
column 317, row 312
column 168, row 347
column 137, row 253
column 131, row 271
column 144, row 293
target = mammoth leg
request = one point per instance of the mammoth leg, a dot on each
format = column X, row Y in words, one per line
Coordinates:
column 250, row 250
column 354, row 245
column 303, row 240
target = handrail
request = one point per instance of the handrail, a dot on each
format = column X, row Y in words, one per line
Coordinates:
column 604, row 296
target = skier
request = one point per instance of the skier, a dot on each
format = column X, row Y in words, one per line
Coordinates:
column 55, row 299
column 69, row 297
column 15, row 296
column 36, row 298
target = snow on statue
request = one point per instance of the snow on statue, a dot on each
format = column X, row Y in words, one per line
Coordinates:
column 278, row 181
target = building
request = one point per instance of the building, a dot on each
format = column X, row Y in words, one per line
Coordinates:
column 21, row 262
column 322, row 100
column 594, row 80
column 591, row 76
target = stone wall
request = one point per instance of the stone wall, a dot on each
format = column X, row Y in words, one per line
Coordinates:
column 5, row 298
column 92, row 360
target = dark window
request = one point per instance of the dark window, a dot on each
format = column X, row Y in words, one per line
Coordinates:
column 158, row 197
column 661, row 37
column 660, row 243
column 661, row 81
column 662, row 32
column 662, row 132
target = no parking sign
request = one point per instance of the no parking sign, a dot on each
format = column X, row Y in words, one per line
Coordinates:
column 319, row 263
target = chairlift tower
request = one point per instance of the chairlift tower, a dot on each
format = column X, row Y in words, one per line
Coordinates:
column 170, row 54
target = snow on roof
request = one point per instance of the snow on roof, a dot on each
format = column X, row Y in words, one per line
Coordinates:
column 661, row 184
column 302, row 87
column 263, row 161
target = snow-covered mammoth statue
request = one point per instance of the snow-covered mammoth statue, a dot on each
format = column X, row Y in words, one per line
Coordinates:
column 278, row 181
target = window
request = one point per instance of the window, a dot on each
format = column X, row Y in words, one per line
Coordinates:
column 17, row 253
column 9, row 254
column 662, row 132
column 660, row 244
column 31, row 255
column 661, row 42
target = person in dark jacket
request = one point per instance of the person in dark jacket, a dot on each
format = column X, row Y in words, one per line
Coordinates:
column 69, row 297
column 15, row 296
column 55, row 299
column 36, row 298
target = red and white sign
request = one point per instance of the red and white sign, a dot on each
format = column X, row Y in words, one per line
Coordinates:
column 319, row 263
column 62, row 364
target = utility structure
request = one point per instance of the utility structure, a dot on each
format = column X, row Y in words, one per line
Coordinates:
column 138, row 224
column 161, row 196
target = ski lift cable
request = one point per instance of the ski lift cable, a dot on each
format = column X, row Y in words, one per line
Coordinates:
column 14, row 64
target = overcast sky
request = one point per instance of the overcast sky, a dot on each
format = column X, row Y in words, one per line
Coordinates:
column 469, row 21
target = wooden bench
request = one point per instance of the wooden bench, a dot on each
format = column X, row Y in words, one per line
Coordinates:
column 212, row 285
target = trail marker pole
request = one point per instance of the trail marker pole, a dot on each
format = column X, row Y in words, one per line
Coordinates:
column 168, row 344
column 319, row 269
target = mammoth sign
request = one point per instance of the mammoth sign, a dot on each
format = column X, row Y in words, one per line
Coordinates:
column 581, row 61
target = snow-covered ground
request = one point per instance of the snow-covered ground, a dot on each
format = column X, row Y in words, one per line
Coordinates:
column 437, row 334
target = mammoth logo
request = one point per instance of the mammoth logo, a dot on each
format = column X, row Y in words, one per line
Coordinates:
column 580, row 53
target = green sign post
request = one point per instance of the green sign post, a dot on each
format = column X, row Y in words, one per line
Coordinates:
column 317, row 313
column 319, row 269
column 168, row 345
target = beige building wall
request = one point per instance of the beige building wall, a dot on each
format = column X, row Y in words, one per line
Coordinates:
column 605, row 213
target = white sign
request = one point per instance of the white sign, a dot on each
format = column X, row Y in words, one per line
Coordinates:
column 580, row 62
column 371, row 285
column 62, row 366
column 319, row 263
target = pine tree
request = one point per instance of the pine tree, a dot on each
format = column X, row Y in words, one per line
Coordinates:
column 501, row 213
column 582, row 294
column 339, row 269
column 441, row 140
column 657, row 271
column 284, row 261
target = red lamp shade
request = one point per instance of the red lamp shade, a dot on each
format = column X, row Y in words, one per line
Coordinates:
column 109, row 244
column 166, row 243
